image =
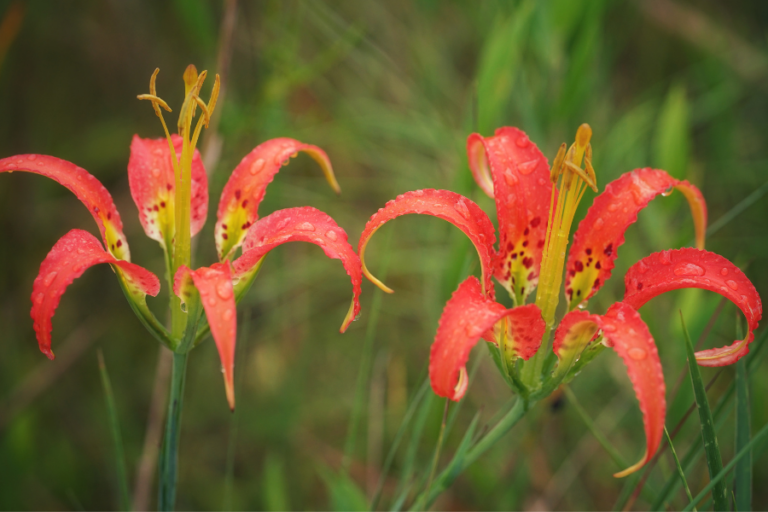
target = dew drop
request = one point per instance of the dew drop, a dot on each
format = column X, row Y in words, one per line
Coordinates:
column 461, row 207
column 744, row 299
column 609, row 328
column 419, row 192
column 306, row 226
column 665, row 258
column 599, row 223
column 39, row 298
column 523, row 141
column 542, row 181
column 667, row 192
column 510, row 178
column 642, row 267
column 155, row 172
column 636, row 353
column 224, row 290
column 613, row 207
column 256, row 166
column 211, row 301
column 283, row 223
column 527, row 167
column 49, row 278
column 32, row 157
column 184, row 307
column 331, row 235
column 688, row 269
column 228, row 314
column 724, row 272
column 732, row 284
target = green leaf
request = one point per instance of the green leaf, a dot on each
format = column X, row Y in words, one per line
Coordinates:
column 743, row 473
column 274, row 484
column 343, row 492
column 124, row 500
column 680, row 471
column 672, row 137
column 714, row 460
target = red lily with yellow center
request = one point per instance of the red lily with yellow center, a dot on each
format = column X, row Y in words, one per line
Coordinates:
column 535, row 208
column 170, row 188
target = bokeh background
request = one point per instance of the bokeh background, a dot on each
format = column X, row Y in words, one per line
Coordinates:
column 390, row 90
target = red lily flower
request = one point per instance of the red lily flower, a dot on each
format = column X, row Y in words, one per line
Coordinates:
column 170, row 188
column 535, row 207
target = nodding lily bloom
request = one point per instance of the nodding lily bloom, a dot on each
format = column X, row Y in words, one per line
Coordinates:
column 535, row 206
column 170, row 188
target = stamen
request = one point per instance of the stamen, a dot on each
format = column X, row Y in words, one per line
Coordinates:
column 582, row 174
column 204, row 108
column 155, row 102
column 558, row 163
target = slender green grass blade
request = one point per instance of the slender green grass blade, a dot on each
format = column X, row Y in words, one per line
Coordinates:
column 366, row 363
column 736, row 210
column 714, row 460
column 124, row 500
column 680, row 471
column 607, row 446
column 759, row 437
column 743, row 473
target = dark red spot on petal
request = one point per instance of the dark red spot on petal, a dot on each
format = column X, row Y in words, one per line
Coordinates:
column 579, row 266
column 609, row 249
column 597, row 283
column 245, row 203
column 525, row 243
column 528, row 262
column 156, row 208
column 510, row 245
column 639, row 286
column 238, row 193
column 96, row 209
column 224, row 236
column 531, row 275
column 514, row 255
column 169, row 186
column 119, row 243
column 527, row 230
column 598, row 266
column 224, row 226
column 588, row 251
column 535, row 222
column 162, row 204
column 540, row 244
column 109, row 215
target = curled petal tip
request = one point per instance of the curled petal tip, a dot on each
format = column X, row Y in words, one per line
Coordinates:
column 461, row 386
column 230, row 388
column 631, row 469
column 349, row 318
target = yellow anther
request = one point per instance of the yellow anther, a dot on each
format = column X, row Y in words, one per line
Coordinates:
column 582, row 174
column 155, row 102
column 190, row 78
column 558, row 164
column 204, row 108
column 189, row 105
column 214, row 97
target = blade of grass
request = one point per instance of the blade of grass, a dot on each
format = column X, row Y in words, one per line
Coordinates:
column 607, row 446
column 714, row 460
column 405, row 483
column 743, row 472
column 680, row 471
column 736, row 210
column 439, row 447
column 722, row 474
column 366, row 363
column 124, row 501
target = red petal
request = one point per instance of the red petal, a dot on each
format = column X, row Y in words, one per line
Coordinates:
column 214, row 284
column 627, row 334
column 455, row 208
column 693, row 268
column 239, row 204
column 466, row 317
column 74, row 253
column 87, row 189
column 519, row 180
column 596, row 242
column 305, row 224
column 150, row 175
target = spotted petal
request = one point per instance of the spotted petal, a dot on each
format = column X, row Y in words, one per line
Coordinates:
column 625, row 332
column 72, row 255
column 455, row 208
column 509, row 167
column 693, row 268
column 596, row 242
column 152, row 181
column 305, row 224
column 87, row 189
column 239, row 203
column 214, row 284
column 467, row 316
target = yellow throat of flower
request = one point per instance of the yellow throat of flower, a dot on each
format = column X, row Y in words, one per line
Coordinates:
column 179, row 238
column 569, row 182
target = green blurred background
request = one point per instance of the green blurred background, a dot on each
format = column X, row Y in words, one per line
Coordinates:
column 390, row 90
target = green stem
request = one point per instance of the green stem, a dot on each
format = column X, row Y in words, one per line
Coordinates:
column 170, row 449
column 456, row 467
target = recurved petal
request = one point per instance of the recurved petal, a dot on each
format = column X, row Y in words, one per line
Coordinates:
column 152, row 181
column 467, row 316
column 694, row 268
column 72, row 255
column 87, row 189
column 305, row 224
column 214, row 284
column 239, row 203
column 596, row 242
column 509, row 167
column 446, row 205
column 625, row 332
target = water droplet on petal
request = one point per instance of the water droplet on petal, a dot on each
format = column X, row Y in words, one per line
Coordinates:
column 39, row 298
column 688, row 269
column 283, row 223
column 228, row 314
column 609, row 328
column 665, row 258
column 331, row 235
column 523, row 141
column 667, row 192
column 724, row 272
column 256, row 166
column 744, row 299
column 542, row 181
column 510, row 178
column 211, row 301
column 461, row 207
column 642, row 267
column 306, row 226
column 636, row 353
column 155, row 172
column 599, row 223
column 49, row 278
column 527, row 167
column 732, row 284
column 613, row 207
column 224, row 290
column 32, row 157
